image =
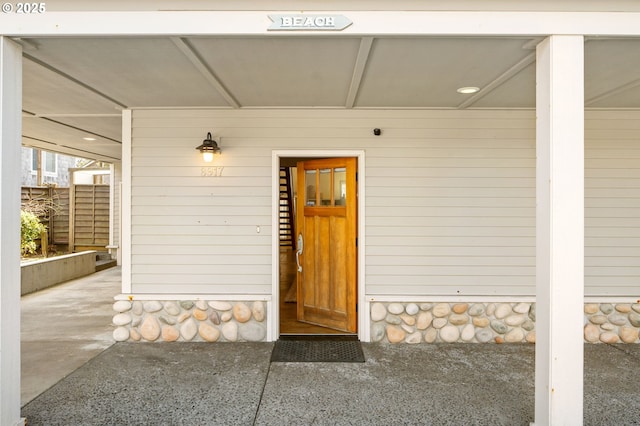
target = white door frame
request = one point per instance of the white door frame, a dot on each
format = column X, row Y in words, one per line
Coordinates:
column 273, row 310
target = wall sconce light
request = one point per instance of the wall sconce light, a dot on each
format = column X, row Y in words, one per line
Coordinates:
column 208, row 148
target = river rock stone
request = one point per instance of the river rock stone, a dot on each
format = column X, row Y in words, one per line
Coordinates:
column 121, row 334
column 150, row 329
column 189, row 329
column 636, row 307
column 502, row 310
column 395, row 334
column 607, row 326
column 257, row 310
column 515, row 320
column 531, row 337
column 498, row 339
column 522, row 308
column 476, row 309
column 499, row 326
column 412, row 309
column 137, row 308
column 220, row 306
column 606, row 308
column 241, row 312
column 598, row 319
column 208, row 332
column 393, row 319
column 134, row 335
column 428, row 306
column 169, row 334
column 424, row 320
column 609, row 337
column 377, row 332
column 491, row 309
column 591, row 308
column 591, row 333
column 202, row 305
column 618, row 319
column 226, row 316
column 623, row 308
column 413, row 338
column 167, row 320
column 122, row 306
column 152, row 306
column 449, row 334
column 480, row 322
column 515, row 335
column 528, row 325
column 628, row 334
column 408, row 319
column 136, row 321
column 378, row 312
column 186, row 304
column 122, row 319
column 441, row 310
column 532, row 312
column 408, row 328
column 230, row 331
column 395, row 308
column 199, row 314
column 460, row 308
column 171, row 308
column 468, row 332
column 430, row 335
column 183, row 316
column 634, row 319
column 458, row 319
column 214, row 316
column 438, row 323
column 252, row 332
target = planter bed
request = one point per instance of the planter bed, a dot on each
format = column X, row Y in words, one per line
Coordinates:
column 40, row 274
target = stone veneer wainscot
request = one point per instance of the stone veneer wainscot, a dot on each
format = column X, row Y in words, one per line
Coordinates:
column 189, row 321
column 493, row 322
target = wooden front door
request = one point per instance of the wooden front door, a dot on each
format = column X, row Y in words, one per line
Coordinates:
column 326, row 219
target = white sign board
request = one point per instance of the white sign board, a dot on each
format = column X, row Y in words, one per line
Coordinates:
column 309, row 22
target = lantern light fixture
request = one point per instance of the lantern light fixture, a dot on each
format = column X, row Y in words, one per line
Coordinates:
column 208, row 148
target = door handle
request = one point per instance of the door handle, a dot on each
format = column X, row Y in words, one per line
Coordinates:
column 299, row 252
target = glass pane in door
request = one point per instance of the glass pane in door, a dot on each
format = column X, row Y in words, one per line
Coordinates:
column 310, row 187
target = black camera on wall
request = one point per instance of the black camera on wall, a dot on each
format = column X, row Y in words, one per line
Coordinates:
column 377, row 131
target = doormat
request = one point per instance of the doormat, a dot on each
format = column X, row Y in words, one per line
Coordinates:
column 317, row 349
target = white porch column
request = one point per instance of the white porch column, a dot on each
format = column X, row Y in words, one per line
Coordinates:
column 559, row 231
column 10, row 142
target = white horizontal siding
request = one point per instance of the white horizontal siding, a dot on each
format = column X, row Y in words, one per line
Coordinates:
column 612, row 204
column 450, row 199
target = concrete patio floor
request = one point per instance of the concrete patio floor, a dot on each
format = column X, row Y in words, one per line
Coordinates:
column 235, row 383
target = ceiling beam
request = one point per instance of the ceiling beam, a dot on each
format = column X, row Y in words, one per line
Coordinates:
column 615, row 91
column 206, row 72
column 503, row 78
column 31, row 142
column 358, row 70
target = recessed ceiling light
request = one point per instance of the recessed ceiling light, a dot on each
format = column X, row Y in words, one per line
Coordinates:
column 89, row 138
column 468, row 90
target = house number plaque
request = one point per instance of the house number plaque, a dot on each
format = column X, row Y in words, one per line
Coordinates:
column 211, row 171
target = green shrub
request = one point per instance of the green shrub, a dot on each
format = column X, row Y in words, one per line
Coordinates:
column 30, row 230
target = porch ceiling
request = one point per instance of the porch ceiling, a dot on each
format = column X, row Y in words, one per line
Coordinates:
column 76, row 87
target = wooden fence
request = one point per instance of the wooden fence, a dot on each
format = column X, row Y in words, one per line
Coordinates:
column 89, row 217
column 53, row 210
column 78, row 216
